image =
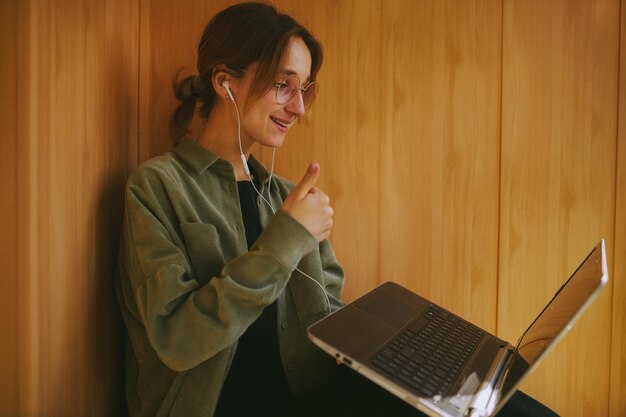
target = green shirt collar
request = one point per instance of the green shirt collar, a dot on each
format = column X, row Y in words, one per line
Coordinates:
column 200, row 159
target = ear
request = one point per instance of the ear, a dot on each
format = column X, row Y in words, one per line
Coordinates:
column 221, row 74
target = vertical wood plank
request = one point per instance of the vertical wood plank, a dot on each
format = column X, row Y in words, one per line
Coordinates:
column 118, row 157
column 9, row 349
column 558, row 164
column 69, row 172
column 617, row 405
column 78, row 121
column 439, row 185
column 28, row 259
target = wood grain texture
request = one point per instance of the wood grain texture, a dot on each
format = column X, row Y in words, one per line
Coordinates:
column 558, row 181
column 30, row 103
column 617, row 405
column 9, row 349
column 439, row 185
column 78, row 126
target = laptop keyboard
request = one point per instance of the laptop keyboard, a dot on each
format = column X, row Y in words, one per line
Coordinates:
column 429, row 354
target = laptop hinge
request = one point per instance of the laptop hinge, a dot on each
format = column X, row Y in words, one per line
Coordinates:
column 484, row 401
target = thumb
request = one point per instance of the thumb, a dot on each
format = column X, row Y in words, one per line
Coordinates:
column 308, row 181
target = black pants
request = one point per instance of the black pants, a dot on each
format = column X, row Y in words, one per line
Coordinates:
column 350, row 395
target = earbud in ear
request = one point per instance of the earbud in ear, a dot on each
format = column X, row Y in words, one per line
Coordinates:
column 226, row 85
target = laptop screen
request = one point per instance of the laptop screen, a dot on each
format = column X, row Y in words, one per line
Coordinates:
column 567, row 304
column 556, row 318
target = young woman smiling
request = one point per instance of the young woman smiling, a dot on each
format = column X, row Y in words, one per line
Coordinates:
column 223, row 265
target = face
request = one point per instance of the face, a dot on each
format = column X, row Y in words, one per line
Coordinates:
column 265, row 121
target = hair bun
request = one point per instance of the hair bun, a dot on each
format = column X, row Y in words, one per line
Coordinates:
column 196, row 87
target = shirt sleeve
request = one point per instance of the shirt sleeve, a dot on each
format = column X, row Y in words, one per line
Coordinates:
column 187, row 323
column 333, row 275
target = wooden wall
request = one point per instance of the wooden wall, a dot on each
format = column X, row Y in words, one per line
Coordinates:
column 8, row 210
column 559, row 140
column 617, row 404
column 473, row 150
column 70, row 87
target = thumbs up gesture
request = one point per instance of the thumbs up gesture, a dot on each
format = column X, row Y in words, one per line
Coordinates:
column 310, row 206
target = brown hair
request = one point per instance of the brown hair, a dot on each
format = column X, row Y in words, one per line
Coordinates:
column 237, row 37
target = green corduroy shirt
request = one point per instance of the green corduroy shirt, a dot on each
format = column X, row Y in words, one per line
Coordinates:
column 188, row 287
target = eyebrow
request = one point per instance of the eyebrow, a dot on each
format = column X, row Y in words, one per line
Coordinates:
column 287, row 71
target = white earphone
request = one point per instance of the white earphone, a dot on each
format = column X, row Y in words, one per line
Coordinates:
column 226, row 85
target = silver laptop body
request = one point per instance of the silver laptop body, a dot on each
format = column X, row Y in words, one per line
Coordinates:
column 382, row 330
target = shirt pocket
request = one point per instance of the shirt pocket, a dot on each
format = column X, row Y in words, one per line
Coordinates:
column 204, row 249
column 309, row 298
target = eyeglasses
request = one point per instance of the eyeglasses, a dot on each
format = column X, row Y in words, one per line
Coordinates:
column 289, row 86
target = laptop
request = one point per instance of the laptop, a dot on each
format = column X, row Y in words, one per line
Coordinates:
column 438, row 362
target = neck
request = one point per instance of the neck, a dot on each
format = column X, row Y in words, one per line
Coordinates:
column 219, row 135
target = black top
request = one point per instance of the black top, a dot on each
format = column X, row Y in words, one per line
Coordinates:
column 256, row 382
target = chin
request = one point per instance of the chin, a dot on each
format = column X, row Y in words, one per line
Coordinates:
column 275, row 142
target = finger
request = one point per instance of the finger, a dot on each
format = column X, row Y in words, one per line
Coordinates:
column 308, row 181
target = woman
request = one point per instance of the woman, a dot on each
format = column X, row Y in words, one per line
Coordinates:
column 222, row 266
column 211, row 240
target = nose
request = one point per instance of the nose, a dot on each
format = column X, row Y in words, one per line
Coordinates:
column 295, row 106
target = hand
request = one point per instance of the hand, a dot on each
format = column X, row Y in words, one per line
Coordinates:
column 310, row 206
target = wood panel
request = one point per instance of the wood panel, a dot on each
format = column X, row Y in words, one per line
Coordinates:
column 27, row 62
column 117, row 152
column 78, row 129
column 440, row 155
column 558, row 182
column 8, row 209
column 617, row 405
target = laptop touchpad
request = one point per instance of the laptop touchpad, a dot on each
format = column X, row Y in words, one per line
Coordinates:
column 388, row 310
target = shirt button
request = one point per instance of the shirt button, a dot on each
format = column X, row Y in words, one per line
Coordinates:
column 284, row 325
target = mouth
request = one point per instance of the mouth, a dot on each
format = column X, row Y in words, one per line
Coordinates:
column 281, row 123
